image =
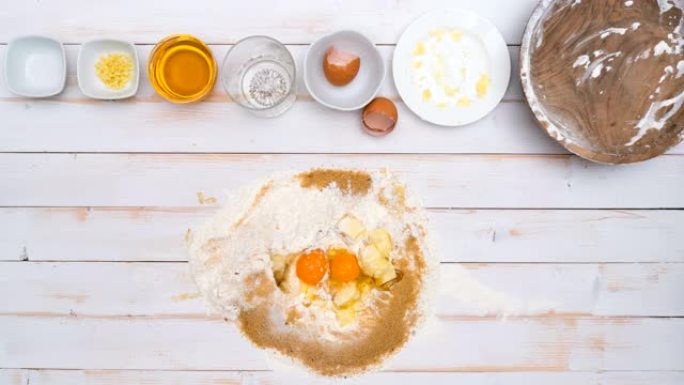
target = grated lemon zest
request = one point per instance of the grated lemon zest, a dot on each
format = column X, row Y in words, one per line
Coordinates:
column 115, row 70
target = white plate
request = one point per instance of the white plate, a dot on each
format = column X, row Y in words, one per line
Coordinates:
column 499, row 63
column 365, row 85
column 88, row 57
column 35, row 66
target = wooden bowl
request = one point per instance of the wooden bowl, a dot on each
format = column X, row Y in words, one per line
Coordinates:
column 606, row 78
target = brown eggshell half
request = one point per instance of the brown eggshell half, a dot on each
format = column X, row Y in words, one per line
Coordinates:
column 380, row 117
column 340, row 67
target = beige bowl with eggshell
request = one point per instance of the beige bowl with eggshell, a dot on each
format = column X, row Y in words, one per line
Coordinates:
column 606, row 79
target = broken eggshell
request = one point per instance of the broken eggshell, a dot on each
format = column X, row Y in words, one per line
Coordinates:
column 340, row 67
column 380, row 117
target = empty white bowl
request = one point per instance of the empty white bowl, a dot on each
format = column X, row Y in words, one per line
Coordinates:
column 35, row 66
column 90, row 54
column 365, row 85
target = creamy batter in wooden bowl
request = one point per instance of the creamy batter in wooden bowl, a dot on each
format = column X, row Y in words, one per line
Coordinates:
column 605, row 78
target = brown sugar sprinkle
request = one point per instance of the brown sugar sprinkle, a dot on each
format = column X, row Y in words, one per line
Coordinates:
column 394, row 200
column 204, row 199
column 350, row 182
column 396, row 319
column 261, row 286
column 213, row 248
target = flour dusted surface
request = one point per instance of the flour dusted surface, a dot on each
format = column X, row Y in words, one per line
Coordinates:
column 289, row 213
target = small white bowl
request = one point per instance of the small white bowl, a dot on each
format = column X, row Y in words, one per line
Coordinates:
column 365, row 85
column 35, row 66
column 88, row 81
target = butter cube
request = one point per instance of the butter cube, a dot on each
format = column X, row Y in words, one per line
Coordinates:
column 372, row 262
column 351, row 227
column 382, row 240
column 346, row 294
column 386, row 276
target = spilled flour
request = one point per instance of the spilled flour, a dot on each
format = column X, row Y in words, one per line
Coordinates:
column 245, row 263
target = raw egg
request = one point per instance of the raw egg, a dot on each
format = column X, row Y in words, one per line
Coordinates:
column 340, row 67
column 380, row 116
column 344, row 267
column 312, row 266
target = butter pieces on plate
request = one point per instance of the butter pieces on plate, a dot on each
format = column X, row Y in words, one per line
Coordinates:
column 451, row 67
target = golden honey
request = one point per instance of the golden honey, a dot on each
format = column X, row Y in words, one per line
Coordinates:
column 182, row 69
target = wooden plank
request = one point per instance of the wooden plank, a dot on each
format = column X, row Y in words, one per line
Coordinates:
column 221, row 22
column 450, row 344
column 54, row 126
column 109, row 377
column 465, row 181
column 156, row 234
column 166, row 290
column 14, row 376
column 560, row 235
column 73, row 123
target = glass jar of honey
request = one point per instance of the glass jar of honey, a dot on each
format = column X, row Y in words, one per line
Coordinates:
column 182, row 69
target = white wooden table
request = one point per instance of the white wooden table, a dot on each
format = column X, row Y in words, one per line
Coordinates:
column 95, row 198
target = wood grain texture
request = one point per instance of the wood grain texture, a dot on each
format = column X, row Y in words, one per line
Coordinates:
column 142, row 322
column 72, row 122
column 156, row 234
column 111, row 377
column 147, row 123
column 465, row 344
column 147, row 316
column 14, row 376
column 468, row 181
column 219, row 22
column 119, row 291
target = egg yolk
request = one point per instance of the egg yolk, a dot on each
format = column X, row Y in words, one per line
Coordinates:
column 312, row 266
column 344, row 267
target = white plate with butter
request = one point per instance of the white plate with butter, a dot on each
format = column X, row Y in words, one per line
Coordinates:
column 451, row 67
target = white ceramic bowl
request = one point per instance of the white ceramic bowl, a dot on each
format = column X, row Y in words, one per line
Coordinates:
column 473, row 25
column 35, row 66
column 365, row 85
column 88, row 57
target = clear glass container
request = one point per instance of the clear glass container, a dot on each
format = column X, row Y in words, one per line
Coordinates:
column 258, row 73
column 182, row 69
